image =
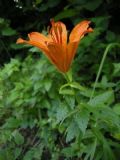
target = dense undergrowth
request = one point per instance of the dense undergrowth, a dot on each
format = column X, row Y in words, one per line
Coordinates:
column 38, row 122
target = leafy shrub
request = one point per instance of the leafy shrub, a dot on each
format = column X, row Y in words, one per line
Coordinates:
column 38, row 123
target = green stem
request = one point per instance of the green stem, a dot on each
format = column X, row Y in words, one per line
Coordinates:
column 68, row 76
column 101, row 65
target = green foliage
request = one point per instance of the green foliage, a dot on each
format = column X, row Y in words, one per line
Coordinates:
column 37, row 121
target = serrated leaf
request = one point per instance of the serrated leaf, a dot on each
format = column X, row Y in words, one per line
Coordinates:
column 106, row 97
column 62, row 112
column 72, row 131
column 110, row 117
column 82, row 119
column 70, row 101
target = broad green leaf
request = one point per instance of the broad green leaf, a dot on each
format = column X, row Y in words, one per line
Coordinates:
column 116, row 71
column 11, row 123
column 105, row 84
column 92, row 5
column 70, row 100
column 82, row 118
column 65, row 14
column 19, row 139
column 111, row 118
column 38, row 151
column 62, row 112
column 116, row 108
column 68, row 152
column 45, row 103
column 47, row 84
column 8, row 32
column 17, row 152
column 72, row 131
column 29, row 155
column 101, row 22
column 106, row 97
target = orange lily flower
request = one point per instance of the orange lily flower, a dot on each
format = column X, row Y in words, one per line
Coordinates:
column 55, row 45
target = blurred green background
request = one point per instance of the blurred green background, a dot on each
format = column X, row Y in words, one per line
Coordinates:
column 19, row 17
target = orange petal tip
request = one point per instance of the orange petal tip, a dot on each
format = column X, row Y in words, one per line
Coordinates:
column 32, row 33
column 90, row 30
column 52, row 21
column 19, row 40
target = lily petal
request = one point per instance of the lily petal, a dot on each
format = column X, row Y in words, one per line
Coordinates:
column 79, row 31
column 20, row 40
column 71, row 50
column 41, row 46
column 57, row 56
column 38, row 37
column 58, row 32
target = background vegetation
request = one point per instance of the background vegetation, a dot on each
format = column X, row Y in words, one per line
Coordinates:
column 39, row 122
